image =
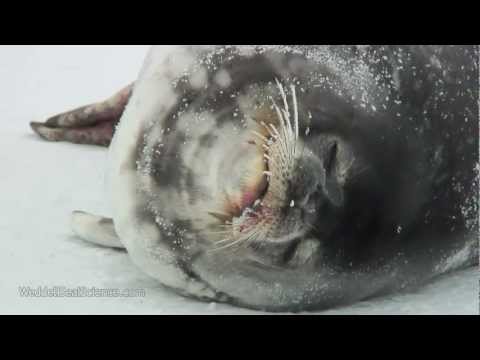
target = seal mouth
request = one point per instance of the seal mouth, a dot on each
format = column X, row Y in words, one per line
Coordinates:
column 252, row 198
column 247, row 186
column 255, row 213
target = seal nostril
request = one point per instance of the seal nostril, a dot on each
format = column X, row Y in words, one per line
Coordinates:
column 330, row 158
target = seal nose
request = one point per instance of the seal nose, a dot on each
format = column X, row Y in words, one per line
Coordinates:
column 307, row 181
column 316, row 181
column 330, row 184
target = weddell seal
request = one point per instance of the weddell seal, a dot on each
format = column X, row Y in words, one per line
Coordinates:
column 289, row 178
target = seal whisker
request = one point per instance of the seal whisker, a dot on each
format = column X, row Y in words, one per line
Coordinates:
column 216, row 232
column 290, row 133
column 286, row 108
column 286, row 116
column 284, row 131
column 284, row 139
column 232, row 244
column 283, row 144
column 295, row 110
column 282, row 92
column 223, row 241
column 275, row 131
column 295, row 116
column 260, row 136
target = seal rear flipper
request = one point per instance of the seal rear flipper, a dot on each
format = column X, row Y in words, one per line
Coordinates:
column 92, row 124
column 95, row 229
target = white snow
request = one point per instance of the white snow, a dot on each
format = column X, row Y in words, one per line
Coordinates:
column 41, row 183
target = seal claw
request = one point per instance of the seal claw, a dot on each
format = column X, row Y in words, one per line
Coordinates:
column 45, row 132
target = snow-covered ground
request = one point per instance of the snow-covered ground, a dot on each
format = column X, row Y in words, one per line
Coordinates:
column 41, row 183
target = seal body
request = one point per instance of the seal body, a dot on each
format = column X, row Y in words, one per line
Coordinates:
column 288, row 178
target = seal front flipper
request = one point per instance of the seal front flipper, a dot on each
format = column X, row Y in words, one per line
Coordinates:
column 92, row 124
column 95, row 229
column 100, row 231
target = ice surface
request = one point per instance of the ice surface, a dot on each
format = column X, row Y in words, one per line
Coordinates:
column 41, row 183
